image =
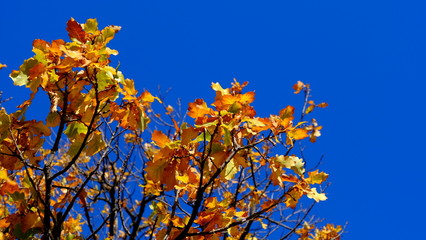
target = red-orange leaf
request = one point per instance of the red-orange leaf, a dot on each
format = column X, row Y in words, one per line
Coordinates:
column 9, row 187
column 75, row 31
column 322, row 105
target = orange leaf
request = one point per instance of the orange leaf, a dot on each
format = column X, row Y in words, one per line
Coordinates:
column 298, row 87
column 287, row 112
column 292, row 197
column 188, row 134
column 9, row 187
column 198, row 109
column 41, row 44
column 247, row 98
column 31, row 220
column 4, row 223
column 160, row 138
column 147, row 97
column 155, row 170
column 322, row 105
column 268, row 204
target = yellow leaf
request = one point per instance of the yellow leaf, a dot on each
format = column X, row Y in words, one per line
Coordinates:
column 298, row 134
column 184, row 178
column 230, row 170
column 292, row 162
column 129, row 87
column 313, row 194
column 292, row 197
column 218, row 88
column 316, row 178
column 309, row 109
column 264, row 225
column 211, row 202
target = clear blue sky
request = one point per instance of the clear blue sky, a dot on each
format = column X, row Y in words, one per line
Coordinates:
column 365, row 58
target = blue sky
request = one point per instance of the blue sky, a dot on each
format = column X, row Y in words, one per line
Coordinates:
column 365, row 58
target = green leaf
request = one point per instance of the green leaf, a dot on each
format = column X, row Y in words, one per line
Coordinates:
column 40, row 56
column 235, row 108
column 227, row 137
column 17, row 196
column 205, row 135
column 73, row 150
column 105, row 77
column 74, row 129
column 91, row 25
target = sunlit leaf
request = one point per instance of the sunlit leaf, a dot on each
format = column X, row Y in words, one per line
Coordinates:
column 198, row 109
column 75, row 31
column 315, row 195
column 298, row 134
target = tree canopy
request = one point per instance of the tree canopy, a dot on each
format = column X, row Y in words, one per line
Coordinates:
column 111, row 162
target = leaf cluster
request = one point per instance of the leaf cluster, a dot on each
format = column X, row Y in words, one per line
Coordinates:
column 87, row 170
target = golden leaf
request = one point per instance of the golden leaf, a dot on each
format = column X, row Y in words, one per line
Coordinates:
column 298, row 134
column 316, row 178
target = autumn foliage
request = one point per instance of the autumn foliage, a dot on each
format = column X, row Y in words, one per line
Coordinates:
column 103, row 163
